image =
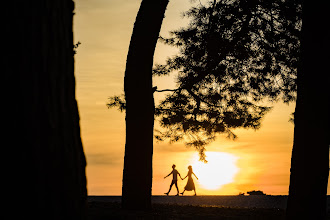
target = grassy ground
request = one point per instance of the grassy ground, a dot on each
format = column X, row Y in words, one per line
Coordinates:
column 112, row 210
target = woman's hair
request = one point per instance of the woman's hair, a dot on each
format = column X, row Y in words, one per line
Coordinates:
column 190, row 167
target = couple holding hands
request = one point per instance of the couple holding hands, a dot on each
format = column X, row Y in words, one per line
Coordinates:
column 190, row 183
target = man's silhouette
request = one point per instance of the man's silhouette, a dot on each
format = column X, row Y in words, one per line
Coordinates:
column 175, row 174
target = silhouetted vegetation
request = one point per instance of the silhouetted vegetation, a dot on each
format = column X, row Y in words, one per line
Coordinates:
column 47, row 162
column 137, row 175
column 233, row 55
column 310, row 153
column 75, row 46
column 256, row 192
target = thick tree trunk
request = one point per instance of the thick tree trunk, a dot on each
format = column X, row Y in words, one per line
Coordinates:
column 39, row 67
column 137, row 176
column 310, row 154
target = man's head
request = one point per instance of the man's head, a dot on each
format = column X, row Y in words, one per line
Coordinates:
column 173, row 166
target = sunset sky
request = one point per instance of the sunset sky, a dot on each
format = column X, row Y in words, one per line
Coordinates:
column 257, row 160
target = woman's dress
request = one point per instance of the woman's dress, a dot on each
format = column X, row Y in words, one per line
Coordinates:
column 190, row 183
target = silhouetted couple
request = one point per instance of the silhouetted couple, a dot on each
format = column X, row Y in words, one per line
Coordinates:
column 190, row 183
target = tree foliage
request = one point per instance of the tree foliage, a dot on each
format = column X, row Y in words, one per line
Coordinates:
column 233, row 55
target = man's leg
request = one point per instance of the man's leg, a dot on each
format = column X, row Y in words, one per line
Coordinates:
column 177, row 188
column 169, row 190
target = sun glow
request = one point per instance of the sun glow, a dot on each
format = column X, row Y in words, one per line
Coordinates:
column 219, row 170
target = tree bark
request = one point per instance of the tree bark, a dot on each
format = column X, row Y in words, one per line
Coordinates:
column 137, row 175
column 310, row 155
column 44, row 127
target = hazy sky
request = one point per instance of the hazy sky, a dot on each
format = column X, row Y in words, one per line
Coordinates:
column 257, row 160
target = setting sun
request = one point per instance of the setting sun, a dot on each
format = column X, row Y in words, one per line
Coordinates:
column 218, row 171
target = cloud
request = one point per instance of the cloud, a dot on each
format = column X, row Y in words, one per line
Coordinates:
column 166, row 147
column 104, row 159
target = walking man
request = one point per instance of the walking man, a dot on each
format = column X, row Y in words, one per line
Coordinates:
column 175, row 174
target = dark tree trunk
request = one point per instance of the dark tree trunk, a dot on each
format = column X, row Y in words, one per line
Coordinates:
column 137, row 176
column 310, row 154
column 44, row 127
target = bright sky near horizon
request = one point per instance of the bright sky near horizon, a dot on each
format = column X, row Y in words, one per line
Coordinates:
column 257, row 160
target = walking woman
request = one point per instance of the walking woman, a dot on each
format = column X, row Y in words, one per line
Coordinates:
column 190, row 183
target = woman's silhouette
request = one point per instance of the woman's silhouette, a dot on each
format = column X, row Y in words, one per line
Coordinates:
column 190, row 183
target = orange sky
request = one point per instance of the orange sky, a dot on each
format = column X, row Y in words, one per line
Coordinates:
column 104, row 28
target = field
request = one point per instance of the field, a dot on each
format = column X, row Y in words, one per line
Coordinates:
column 111, row 210
column 190, row 207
